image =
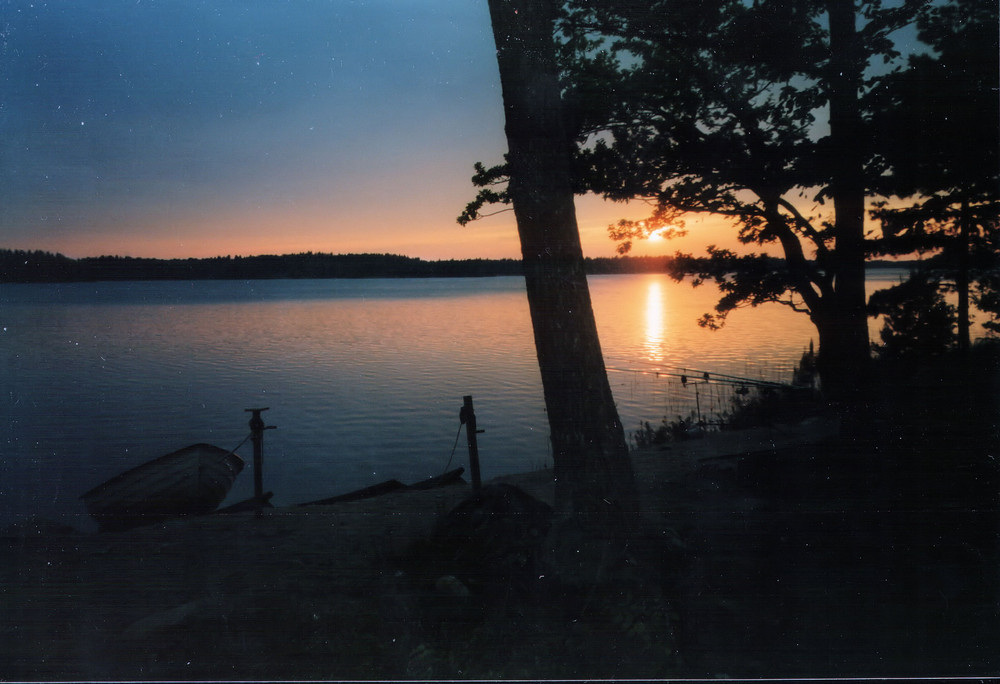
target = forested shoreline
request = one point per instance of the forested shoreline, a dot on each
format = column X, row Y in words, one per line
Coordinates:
column 20, row 266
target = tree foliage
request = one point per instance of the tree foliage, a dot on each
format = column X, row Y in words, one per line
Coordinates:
column 934, row 123
column 750, row 111
column 936, row 133
column 776, row 114
column 918, row 323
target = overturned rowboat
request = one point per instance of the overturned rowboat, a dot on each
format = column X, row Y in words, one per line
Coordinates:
column 190, row 481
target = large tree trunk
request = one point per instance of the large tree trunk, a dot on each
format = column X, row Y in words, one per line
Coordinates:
column 592, row 466
column 846, row 363
column 838, row 374
column 962, row 279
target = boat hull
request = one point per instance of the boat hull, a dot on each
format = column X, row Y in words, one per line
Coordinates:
column 390, row 486
column 190, row 481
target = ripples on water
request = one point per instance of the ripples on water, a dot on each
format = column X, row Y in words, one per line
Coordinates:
column 364, row 378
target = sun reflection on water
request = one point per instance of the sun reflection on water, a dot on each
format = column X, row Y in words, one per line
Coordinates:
column 655, row 314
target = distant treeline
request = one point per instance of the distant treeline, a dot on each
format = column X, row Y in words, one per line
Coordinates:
column 18, row 266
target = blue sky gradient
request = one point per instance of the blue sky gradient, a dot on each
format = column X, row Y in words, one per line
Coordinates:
column 189, row 128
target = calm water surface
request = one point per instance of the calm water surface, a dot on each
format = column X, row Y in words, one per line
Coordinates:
column 364, row 378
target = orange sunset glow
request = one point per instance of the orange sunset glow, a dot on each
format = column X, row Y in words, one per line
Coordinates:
column 425, row 230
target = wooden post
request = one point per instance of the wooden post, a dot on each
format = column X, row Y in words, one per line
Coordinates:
column 257, row 428
column 468, row 417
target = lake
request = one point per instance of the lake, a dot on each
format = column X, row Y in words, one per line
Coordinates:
column 364, row 378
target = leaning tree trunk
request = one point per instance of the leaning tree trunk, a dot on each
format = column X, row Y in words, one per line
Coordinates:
column 845, row 362
column 592, row 466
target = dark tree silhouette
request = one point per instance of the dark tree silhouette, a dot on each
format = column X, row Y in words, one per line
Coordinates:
column 718, row 108
column 936, row 128
column 592, row 467
column 918, row 325
column 843, row 326
column 751, row 111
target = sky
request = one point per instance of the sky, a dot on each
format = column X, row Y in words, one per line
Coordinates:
column 189, row 128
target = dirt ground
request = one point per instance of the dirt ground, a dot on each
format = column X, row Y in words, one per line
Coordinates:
column 773, row 558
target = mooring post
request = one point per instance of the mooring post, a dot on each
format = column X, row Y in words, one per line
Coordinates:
column 257, row 428
column 468, row 417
